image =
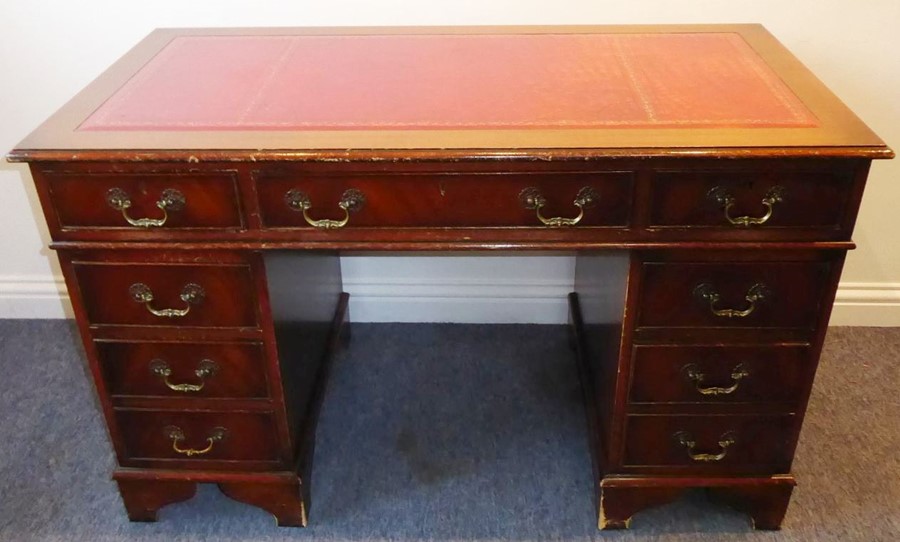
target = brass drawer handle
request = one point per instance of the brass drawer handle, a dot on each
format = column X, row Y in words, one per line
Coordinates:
column 205, row 369
column 169, row 200
column 724, row 198
column 685, row 439
column 693, row 374
column 352, row 201
column 191, row 294
column 531, row 198
column 175, row 433
column 706, row 293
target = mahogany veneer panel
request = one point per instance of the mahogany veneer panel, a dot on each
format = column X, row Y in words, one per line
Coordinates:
column 761, row 443
column 794, row 288
column 774, row 373
column 80, row 199
column 248, row 436
column 817, row 198
column 228, row 299
column 239, row 368
column 471, row 201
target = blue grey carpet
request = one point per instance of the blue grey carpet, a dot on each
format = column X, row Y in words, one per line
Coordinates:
column 442, row 432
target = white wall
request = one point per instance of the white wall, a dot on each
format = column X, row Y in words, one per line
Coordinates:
column 49, row 50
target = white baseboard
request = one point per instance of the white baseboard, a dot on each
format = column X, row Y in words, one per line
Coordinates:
column 26, row 296
column 462, row 300
column 875, row 304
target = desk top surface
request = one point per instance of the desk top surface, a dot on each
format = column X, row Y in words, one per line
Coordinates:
column 551, row 90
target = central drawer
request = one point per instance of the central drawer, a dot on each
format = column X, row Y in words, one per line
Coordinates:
column 593, row 199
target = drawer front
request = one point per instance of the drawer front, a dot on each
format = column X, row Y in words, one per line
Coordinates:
column 738, row 294
column 163, row 369
column 207, row 295
column 164, row 201
column 436, row 200
column 735, row 444
column 198, row 436
column 718, row 374
column 740, row 200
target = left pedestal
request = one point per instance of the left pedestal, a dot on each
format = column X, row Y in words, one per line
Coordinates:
column 210, row 367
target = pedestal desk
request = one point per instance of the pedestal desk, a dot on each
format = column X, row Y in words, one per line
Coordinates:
column 199, row 193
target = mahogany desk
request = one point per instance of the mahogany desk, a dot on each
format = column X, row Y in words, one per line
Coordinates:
column 199, row 192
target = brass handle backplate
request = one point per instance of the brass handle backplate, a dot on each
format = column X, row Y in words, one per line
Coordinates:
column 692, row 374
column 206, row 368
column 191, row 294
column 726, row 200
column 531, row 198
column 706, row 293
column 685, row 439
column 176, row 435
column 169, row 200
column 352, row 201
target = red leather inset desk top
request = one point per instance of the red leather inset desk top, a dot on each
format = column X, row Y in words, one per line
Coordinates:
column 382, row 82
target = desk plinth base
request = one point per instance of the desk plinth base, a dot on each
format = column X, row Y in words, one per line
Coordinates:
column 764, row 498
column 145, row 492
column 286, row 495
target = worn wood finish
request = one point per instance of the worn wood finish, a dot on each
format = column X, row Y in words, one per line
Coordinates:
column 648, row 343
column 765, row 499
column 618, row 504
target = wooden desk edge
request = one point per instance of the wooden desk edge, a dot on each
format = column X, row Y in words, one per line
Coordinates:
column 415, row 155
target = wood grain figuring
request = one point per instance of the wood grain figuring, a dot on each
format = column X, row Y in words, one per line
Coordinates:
column 81, row 199
column 669, row 298
column 684, row 133
column 760, row 444
column 774, row 373
column 227, row 301
column 811, row 198
column 445, row 200
column 238, row 373
column 248, row 437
